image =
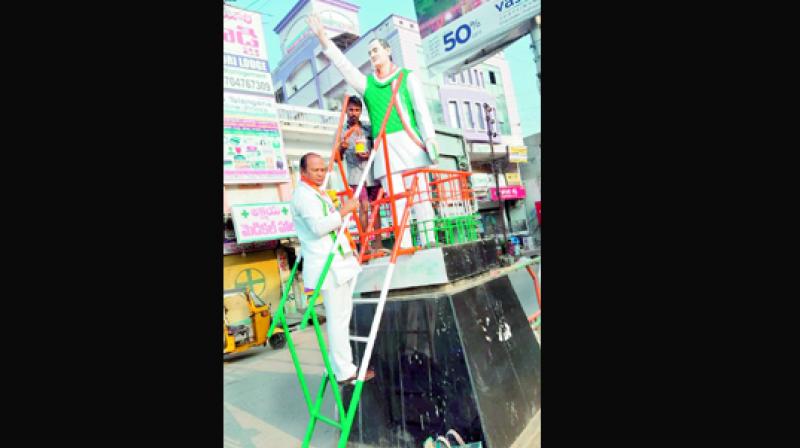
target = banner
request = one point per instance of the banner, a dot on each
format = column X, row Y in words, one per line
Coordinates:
column 248, row 81
column 243, row 34
column 242, row 105
column 253, row 156
column 514, row 192
column 513, row 179
column 460, row 33
column 252, row 145
column 518, row 154
column 262, row 222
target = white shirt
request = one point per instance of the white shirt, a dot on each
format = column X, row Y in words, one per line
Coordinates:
column 313, row 230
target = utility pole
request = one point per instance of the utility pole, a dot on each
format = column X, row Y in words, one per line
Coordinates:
column 502, row 203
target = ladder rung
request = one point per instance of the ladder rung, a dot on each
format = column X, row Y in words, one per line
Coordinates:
column 359, row 339
column 329, row 421
column 358, row 301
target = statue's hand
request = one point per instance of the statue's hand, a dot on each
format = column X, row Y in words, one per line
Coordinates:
column 316, row 26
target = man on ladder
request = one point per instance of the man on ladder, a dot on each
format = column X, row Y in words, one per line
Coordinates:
column 409, row 125
column 316, row 221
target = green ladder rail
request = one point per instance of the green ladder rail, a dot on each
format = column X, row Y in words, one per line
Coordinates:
column 280, row 319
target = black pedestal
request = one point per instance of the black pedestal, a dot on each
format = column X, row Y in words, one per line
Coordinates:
column 467, row 361
column 468, row 259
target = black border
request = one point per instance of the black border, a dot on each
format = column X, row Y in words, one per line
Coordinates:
column 115, row 253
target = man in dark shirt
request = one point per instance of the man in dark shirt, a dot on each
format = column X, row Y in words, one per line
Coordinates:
column 355, row 147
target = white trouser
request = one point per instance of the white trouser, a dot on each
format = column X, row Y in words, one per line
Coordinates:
column 423, row 211
column 338, row 303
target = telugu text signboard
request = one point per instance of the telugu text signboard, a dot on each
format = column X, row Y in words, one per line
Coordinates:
column 243, row 34
column 262, row 222
column 252, row 143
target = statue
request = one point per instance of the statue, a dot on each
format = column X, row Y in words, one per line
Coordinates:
column 410, row 135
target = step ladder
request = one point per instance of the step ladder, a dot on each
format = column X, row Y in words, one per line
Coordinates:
column 346, row 416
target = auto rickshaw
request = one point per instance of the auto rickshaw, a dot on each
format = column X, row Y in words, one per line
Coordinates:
column 245, row 322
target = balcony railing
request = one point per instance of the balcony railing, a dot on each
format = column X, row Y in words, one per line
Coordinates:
column 306, row 117
column 311, row 118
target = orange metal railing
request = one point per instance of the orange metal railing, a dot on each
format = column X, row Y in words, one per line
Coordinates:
column 447, row 191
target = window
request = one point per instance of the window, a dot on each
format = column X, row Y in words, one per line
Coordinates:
column 468, row 116
column 462, row 78
column 479, row 116
column 469, row 74
column 492, row 78
column 483, row 82
column 477, row 80
column 455, row 121
column 448, row 163
column 452, row 78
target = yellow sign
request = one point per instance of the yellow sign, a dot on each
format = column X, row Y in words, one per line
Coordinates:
column 518, row 154
column 255, row 270
column 513, row 179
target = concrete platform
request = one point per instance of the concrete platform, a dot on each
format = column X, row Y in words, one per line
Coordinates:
column 429, row 267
